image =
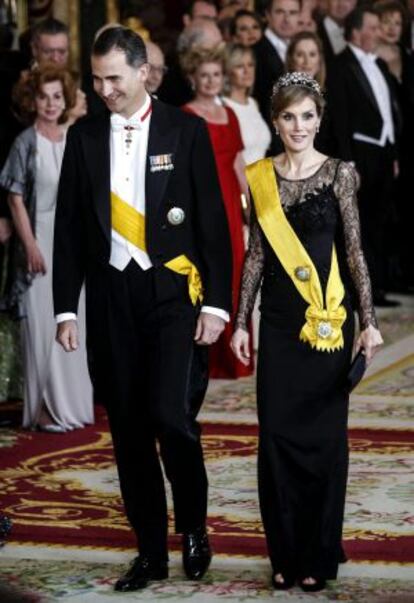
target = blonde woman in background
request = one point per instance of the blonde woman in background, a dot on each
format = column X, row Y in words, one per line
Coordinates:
column 240, row 74
column 240, row 70
column 205, row 70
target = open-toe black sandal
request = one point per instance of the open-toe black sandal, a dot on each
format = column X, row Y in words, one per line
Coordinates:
column 319, row 584
column 288, row 581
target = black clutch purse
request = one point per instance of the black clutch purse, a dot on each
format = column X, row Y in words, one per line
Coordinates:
column 356, row 371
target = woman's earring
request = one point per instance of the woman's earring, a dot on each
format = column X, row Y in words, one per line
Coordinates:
column 317, row 128
column 277, row 132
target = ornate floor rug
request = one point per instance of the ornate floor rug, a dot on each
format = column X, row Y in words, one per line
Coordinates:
column 70, row 535
column 63, row 490
column 91, row 582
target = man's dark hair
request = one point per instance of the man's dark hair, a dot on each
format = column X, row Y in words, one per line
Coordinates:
column 190, row 5
column 355, row 19
column 244, row 13
column 50, row 27
column 269, row 3
column 125, row 40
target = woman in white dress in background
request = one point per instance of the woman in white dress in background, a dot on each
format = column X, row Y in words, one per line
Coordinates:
column 240, row 74
column 57, row 388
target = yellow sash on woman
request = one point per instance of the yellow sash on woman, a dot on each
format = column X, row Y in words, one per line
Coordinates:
column 324, row 320
column 130, row 223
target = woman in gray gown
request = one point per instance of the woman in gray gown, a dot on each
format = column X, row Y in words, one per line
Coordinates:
column 57, row 388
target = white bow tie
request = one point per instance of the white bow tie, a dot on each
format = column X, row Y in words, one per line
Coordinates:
column 370, row 57
column 119, row 123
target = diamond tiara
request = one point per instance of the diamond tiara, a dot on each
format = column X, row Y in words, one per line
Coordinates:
column 297, row 78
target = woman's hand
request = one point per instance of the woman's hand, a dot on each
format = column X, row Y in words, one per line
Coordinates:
column 240, row 346
column 369, row 340
column 5, row 230
column 35, row 262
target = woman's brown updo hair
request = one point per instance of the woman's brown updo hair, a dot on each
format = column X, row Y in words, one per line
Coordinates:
column 194, row 58
column 30, row 85
column 292, row 88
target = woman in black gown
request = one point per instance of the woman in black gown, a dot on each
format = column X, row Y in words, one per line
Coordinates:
column 304, row 210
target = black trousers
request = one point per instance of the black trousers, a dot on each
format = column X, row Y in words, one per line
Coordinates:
column 154, row 381
column 375, row 200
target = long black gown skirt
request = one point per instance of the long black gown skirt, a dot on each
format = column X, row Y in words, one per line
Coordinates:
column 303, row 449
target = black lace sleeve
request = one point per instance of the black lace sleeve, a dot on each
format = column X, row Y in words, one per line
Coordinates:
column 345, row 188
column 251, row 276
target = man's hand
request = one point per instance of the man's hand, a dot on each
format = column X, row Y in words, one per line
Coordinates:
column 5, row 230
column 67, row 335
column 396, row 168
column 80, row 108
column 208, row 329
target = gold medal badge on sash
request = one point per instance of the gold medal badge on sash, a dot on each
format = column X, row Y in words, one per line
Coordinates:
column 130, row 223
column 324, row 318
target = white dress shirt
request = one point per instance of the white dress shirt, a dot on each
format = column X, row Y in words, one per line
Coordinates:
column 278, row 44
column 382, row 96
column 335, row 34
column 128, row 169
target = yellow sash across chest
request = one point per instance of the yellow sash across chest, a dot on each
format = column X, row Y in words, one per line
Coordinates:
column 130, row 224
column 324, row 317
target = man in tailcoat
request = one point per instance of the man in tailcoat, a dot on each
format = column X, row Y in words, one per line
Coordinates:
column 141, row 221
column 365, row 125
column 270, row 52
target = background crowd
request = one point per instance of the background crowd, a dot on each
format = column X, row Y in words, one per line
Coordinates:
column 221, row 66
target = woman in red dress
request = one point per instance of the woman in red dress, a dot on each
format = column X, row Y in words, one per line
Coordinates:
column 205, row 70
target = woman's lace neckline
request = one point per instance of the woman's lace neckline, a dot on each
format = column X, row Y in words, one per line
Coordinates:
column 315, row 173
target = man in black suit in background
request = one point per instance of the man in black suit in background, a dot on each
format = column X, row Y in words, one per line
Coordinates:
column 282, row 23
column 365, row 122
column 331, row 29
column 141, row 221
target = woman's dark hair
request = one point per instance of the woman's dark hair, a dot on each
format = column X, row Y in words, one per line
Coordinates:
column 30, row 84
column 244, row 13
column 290, row 95
column 384, row 7
column 125, row 40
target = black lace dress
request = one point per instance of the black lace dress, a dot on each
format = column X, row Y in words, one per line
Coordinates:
column 301, row 398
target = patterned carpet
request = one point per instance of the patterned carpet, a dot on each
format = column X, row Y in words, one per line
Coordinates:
column 70, row 535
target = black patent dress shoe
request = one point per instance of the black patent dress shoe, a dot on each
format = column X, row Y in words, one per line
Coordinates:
column 196, row 553
column 142, row 571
